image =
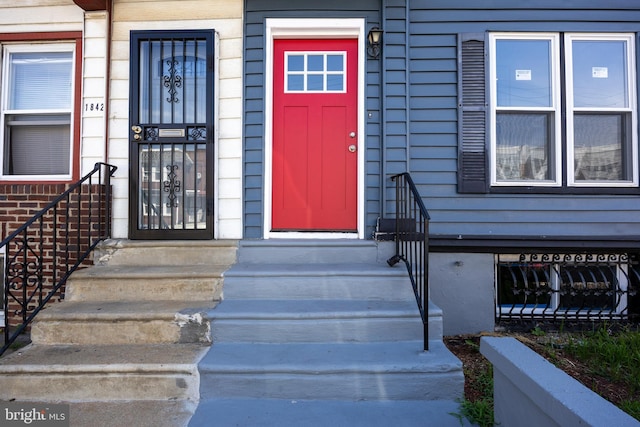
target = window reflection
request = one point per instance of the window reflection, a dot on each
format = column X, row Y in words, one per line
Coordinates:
column 523, row 147
column 172, row 81
column 523, row 72
column 600, row 146
column 599, row 74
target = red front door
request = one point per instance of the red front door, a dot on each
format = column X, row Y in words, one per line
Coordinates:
column 315, row 137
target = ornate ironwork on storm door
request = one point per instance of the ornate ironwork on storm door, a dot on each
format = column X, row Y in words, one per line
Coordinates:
column 171, row 123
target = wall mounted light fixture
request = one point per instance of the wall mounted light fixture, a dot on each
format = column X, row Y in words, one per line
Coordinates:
column 374, row 37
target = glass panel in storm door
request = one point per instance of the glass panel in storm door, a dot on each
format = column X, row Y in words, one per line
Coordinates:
column 172, row 149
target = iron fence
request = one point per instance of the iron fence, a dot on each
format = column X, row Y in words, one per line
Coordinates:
column 573, row 287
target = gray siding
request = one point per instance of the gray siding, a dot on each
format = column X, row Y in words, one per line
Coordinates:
column 256, row 11
column 434, row 26
column 412, row 113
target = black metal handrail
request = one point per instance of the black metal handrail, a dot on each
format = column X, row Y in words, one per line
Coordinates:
column 41, row 254
column 412, row 243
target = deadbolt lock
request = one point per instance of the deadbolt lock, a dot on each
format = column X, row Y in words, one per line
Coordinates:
column 136, row 129
column 137, row 137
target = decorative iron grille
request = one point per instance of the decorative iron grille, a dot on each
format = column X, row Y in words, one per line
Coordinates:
column 567, row 286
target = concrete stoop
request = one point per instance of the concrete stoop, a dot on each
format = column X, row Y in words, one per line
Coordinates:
column 324, row 333
column 313, row 333
column 129, row 334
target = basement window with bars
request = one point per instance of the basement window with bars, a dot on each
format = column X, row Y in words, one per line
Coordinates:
column 566, row 286
column 37, row 111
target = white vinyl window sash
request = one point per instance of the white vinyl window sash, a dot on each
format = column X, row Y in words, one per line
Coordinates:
column 600, row 112
column 37, row 111
column 525, row 103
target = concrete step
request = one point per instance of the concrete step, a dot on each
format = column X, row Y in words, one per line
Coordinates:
column 286, row 321
column 155, row 283
column 101, row 323
column 322, row 413
column 135, row 413
column 397, row 370
column 324, row 333
column 101, row 373
column 163, row 253
column 127, row 340
column 301, row 251
column 317, row 281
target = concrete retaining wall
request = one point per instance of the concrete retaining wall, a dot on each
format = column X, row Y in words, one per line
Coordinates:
column 529, row 391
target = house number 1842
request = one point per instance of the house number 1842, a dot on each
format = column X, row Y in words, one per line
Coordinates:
column 94, row 106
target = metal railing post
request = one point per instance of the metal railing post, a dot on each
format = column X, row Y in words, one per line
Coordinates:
column 412, row 244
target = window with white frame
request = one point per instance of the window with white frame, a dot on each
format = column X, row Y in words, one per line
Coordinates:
column 572, row 125
column 37, row 111
column 315, row 72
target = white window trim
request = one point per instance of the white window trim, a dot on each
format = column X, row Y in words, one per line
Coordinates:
column 553, row 38
column 566, row 157
column 287, row 28
column 324, row 73
column 36, row 47
column 632, row 107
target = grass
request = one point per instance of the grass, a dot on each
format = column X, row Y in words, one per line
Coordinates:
column 615, row 356
column 479, row 408
column 480, row 411
column 631, row 407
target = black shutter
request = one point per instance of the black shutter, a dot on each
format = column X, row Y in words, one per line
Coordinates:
column 472, row 114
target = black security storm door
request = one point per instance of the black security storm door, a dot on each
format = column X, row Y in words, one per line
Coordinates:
column 171, row 135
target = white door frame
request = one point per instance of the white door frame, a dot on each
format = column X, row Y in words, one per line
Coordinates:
column 298, row 28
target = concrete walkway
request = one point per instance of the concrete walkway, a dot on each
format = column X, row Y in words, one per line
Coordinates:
column 267, row 413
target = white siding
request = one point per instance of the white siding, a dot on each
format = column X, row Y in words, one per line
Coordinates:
column 25, row 16
column 225, row 16
column 93, row 142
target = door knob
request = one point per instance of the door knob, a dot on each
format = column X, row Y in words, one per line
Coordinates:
column 352, row 148
column 136, row 129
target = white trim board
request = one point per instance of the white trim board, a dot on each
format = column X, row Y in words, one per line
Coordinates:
column 300, row 29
